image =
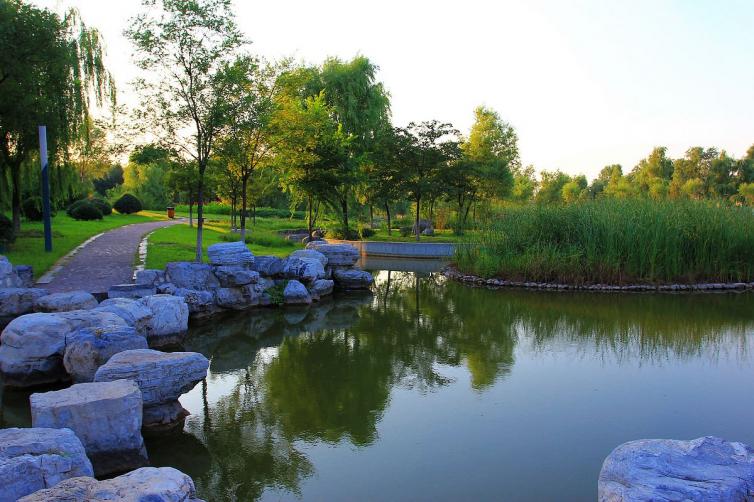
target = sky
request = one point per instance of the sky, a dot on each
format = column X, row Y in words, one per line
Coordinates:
column 585, row 83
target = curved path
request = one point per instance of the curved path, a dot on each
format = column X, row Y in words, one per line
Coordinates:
column 101, row 262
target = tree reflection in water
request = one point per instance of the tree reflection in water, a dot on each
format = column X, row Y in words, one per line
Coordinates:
column 325, row 374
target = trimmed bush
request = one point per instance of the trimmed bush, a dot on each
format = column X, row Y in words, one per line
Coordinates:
column 337, row 233
column 86, row 211
column 366, row 232
column 127, row 204
column 104, row 207
column 32, row 208
column 7, row 234
column 73, row 206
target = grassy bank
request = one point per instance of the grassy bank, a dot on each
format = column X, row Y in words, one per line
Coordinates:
column 616, row 242
column 67, row 233
column 177, row 243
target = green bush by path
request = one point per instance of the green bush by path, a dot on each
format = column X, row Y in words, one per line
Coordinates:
column 616, row 242
column 86, row 211
column 127, row 204
column 67, row 233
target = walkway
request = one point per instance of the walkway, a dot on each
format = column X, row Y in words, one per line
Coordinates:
column 106, row 260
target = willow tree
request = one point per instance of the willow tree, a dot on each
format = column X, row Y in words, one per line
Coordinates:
column 185, row 48
column 51, row 72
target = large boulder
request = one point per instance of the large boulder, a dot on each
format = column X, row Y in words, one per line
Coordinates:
column 311, row 254
column 8, row 277
column 138, row 290
column 234, row 276
column 338, row 255
column 106, row 417
column 303, row 269
column 162, row 378
column 351, row 278
column 90, row 348
column 65, row 302
column 296, row 293
column 134, row 312
column 147, row 484
column 423, row 226
column 169, row 320
column 189, row 275
column 200, row 303
column 32, row 346
column 25, row 275
column 19, row 301
column 150, row 276
column 707, row 468
column 38, row 458
column 269, row 266
column 321, row 287
column 230, row 253
column 238, row 298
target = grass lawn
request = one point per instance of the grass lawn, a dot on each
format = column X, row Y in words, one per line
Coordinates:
column 67, row 233
column 177, row 243
column 381, row 235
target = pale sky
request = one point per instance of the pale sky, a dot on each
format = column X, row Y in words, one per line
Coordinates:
column 585, row 83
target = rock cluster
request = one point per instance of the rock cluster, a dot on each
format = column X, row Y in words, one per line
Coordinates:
column 235, row 279
column 17, row 294
column 707, row 468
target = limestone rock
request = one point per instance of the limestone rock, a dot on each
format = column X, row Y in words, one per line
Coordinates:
column 707, row 468
column 269, row 266
column 230, row 253
column 147, row 484
column 199, row 302
column 296, row 293
column 25, row 275
column 65, row 302
column 134, row 312
column 90, row 348
column 8, row 276
column 352, row 278
column 231, row 277
column 106, row 417
column 303, row 269
column 237, row 298
column 338, row 255
column 132, row 291
column 37, row 458
column 169, row 320
column 162, row 378
column 321, row 287
column 32, row 346
column 150, row 276
column 19, row 301
column 189, row 275
column 311, row 254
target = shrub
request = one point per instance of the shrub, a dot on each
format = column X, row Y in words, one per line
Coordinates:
column 32, row 208
column 276, row 293
column 366, row 232
column 104, row 207
column 406, row 231
column 7, row 234
column 86, row 211
column 127, row 204
column 337, row 233
column 73, row 206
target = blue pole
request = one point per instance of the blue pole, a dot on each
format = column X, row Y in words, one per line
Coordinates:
column 45, row 188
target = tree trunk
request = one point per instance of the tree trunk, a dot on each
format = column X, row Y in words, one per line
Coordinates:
column 387, row 210
column 191, row 209
column 371, row 216
column 15, row 173
column 254, row 214
column 199, row 217
column 244, row 182
column 344, row 207
column 310, row 221
column 416, row 229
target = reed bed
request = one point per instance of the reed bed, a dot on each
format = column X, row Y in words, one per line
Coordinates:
column 613, row 241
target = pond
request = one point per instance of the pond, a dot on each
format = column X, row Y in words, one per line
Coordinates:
column 430, row 390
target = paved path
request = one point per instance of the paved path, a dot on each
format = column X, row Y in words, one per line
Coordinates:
column 109, row 259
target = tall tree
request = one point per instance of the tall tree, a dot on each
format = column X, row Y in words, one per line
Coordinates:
column 51, row 70
column 186, row 47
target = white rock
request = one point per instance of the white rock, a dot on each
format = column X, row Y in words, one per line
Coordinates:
column 352, row 278
column 338, row 255
column 321, row 287
column 268, row 266
column 169, row 320
column 311, row 254
column 230, row 253
column 303, row 269
column 106, row 417
column 150, row 276
column 231, row 277
column 189, row 275
column 132, row 291
column 134, row 312
column 8, row 276
column 32, row 346
column 237, row 298
column 65, row 302
column 19, row 301
column 38, row 458
column 90, row 348
column 704, row 469
column 148, row 484
column 200, row 303
column 162, row 378
column 296, row 293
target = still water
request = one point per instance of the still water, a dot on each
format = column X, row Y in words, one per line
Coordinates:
column 429, row 390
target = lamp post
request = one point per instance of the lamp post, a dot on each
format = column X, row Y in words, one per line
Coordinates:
column 45, row 188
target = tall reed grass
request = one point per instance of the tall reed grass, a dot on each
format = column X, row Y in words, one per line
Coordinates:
column 615, row 242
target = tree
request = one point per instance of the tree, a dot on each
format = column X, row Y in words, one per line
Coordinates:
column 524, row 184
column 50, row 69
column 551, row 185
column 426, row 150
column 746, row 190
column 654, row 171
column 493, row 147
column 186, row 48
column 694, row 165
column 571, row 191
column 383, row 172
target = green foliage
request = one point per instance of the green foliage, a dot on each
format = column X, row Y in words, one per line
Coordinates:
column 366, row 232
column 104, row 207
column 7, row 233
column 276, row 293
column 86, row 211
column 32, row 208
column 616, row 241
column 72, row 207
column 127, row 204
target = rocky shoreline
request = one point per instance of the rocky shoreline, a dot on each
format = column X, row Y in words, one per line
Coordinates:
column 454, row 274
